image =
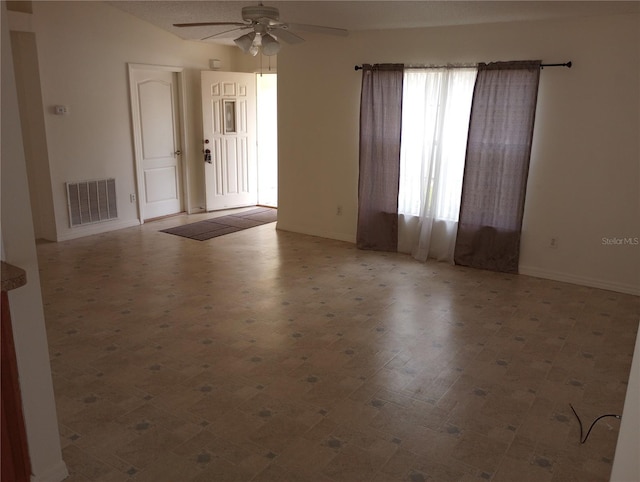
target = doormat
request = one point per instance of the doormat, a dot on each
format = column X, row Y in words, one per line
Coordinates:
column 214, row 227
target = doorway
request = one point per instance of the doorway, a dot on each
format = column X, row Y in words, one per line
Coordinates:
column 240, row 135
column 267, row 138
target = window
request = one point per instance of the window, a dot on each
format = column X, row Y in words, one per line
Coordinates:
column 435, row 120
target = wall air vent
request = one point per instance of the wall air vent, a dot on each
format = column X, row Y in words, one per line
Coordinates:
column 91, row 201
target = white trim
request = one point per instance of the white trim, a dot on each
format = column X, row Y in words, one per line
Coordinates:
column 98, row 228
column 186, row 186
column 182, row 129
column 166, row 68
column 349, row 238
column 136, row 143
column 626, row 465
column 580, row 280
column 55, row 473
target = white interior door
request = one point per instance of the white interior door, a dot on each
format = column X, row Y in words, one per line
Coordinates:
column 229, row 121
column 154, row 95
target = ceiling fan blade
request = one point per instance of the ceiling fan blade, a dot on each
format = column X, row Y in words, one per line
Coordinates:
column 227, row 33
column 289, row 37
column 208, row 24
column 318, row 29
column 269, row 22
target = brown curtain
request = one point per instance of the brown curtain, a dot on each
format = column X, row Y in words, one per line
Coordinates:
column 497, row 165
column 380, row 126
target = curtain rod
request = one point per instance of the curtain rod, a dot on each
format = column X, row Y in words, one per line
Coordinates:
column 542, row 66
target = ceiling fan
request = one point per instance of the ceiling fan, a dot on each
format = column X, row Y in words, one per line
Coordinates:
column 265, row 30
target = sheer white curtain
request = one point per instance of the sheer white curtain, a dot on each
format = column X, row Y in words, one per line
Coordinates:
column 435, row 122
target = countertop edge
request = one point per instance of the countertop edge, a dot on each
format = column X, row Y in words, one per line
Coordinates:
column 12, row 277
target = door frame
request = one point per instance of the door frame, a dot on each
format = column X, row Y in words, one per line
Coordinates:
column 258, row 137
column 182, row 132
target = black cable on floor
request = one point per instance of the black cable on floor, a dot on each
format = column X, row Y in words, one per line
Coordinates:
column 619, row 417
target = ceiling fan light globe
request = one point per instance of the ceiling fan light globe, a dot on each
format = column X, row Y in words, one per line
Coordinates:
column 245, row 42
column 270, row 46
column 253, row 50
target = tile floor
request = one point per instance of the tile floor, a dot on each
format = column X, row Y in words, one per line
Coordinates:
column 272, row 356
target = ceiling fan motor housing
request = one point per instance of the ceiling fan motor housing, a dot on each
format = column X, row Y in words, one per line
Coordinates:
column 260, row 12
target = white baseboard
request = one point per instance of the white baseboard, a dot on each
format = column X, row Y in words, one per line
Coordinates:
column 56, row 473
column 314, row 232
column 98, row 228
column 580, row 280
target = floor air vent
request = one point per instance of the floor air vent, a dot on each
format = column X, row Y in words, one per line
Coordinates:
column 91, row 201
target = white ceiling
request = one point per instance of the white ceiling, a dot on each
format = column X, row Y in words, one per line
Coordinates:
column 364, row 15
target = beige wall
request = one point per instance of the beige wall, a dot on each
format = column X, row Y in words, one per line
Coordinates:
column 83, row 50
column 584, row 174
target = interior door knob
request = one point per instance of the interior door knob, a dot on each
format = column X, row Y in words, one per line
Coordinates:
column 178, row 152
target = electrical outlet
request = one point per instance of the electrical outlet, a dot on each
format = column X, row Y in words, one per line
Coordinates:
column 553, row 243
column 339, row 210
column 132, row 198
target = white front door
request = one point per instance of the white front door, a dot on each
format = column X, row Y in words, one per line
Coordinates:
column 229, row 148
column 155, row 112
